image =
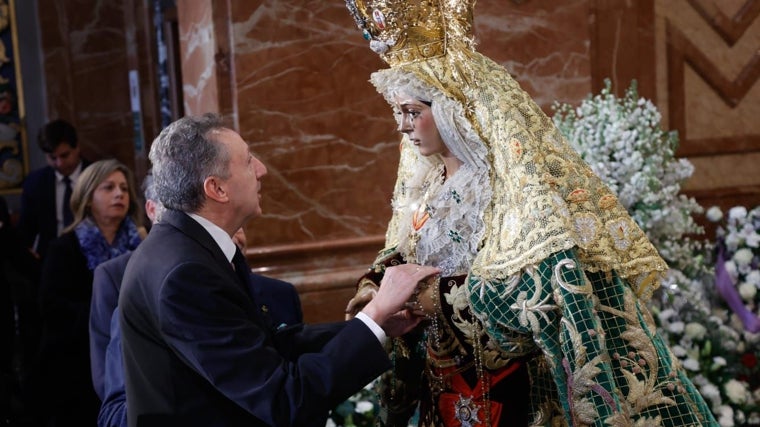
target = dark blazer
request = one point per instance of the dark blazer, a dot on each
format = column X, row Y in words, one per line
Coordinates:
column 278, row 301
column 65, row 292
column 38, row 215
column 197, row 352
column 19, row 270
column 106, row 283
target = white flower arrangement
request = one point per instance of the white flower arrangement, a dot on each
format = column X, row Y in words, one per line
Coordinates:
column 623, row 142
column 738, row 265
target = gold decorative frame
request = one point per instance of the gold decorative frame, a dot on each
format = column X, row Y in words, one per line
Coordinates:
column 14, row 158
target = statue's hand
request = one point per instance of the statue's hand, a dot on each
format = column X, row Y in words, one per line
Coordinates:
column 364, row 295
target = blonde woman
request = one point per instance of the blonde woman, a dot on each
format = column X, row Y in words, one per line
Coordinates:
column 107, row 223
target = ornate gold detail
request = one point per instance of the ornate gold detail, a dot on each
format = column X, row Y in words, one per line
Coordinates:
column 403, row 31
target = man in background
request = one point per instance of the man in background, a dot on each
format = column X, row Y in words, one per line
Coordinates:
column 45, row 207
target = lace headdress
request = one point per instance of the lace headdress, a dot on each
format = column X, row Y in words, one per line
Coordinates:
column 544, row 197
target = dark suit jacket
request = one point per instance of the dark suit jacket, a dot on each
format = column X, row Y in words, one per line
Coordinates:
column 278, row 300
column 38, row 215
column 197, row 351
column 65, row 293
column 19, row 270
column 106, row 283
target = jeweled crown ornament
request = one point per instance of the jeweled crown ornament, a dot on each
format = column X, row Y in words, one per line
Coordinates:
column 405, row 31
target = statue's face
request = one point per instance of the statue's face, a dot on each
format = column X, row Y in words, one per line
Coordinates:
column 417, row 122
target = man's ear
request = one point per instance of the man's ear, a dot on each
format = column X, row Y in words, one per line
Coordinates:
column 150, row 210
column 215, row 189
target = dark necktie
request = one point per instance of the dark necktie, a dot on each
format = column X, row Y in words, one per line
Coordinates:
column 241, row 268
column 240, row 265
column 68, row 217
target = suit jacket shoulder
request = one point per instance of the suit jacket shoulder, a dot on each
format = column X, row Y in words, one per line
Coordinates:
column 38, row 217
column 106, row 283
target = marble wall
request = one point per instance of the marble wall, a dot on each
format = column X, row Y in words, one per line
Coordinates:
column 88, row 51
column 85, row 69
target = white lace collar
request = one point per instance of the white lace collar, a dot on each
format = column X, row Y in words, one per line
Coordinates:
column 450, row 237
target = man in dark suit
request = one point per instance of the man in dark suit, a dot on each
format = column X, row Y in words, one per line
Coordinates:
column 196, row 350
column 279, row 303
column 45, row 210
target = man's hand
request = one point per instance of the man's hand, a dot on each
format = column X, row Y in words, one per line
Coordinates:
column 387, row 307
column 402, row 322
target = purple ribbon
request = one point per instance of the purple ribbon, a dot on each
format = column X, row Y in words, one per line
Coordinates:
column 727, row 290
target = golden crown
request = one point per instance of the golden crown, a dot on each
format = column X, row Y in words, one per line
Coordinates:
column 404, row 31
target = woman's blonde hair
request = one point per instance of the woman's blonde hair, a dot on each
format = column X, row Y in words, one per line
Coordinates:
column 90, row 179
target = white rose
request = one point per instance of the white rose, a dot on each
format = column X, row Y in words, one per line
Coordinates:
column 725, row 416
column 753, row 239
column 711, row 393
column 364, row 407
column 714, row 214
column 691, row 364
column 747, row 291
column 330, row 423
column 695, row 331
column 730, row 267
column 743, row 257
column 719, row 362
column 736, row 391
column 666, row 314
column 753, row 278
column 676, row 327
column 678, row 351
column 737, row 212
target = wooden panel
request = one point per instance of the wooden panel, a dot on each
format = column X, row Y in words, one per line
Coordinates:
column 717, row 146
column 681, row 51
column 731, row 28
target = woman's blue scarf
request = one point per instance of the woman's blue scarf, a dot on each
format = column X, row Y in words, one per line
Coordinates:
column 95, row 247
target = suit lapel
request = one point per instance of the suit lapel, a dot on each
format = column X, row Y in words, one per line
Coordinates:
column 192, row 229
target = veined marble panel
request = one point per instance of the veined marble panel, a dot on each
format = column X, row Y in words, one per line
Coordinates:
column 543, row 43
column 198, row 45
column 86, row 74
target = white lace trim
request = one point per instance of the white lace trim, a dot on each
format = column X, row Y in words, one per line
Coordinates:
column 451, row 236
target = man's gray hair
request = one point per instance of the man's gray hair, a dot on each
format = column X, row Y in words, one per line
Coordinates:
column 183, row 155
